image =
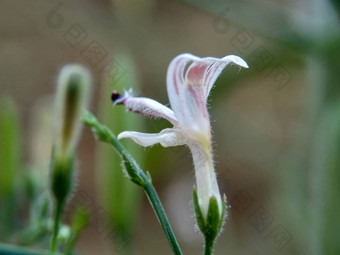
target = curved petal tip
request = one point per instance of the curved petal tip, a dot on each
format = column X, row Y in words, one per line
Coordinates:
column 236, row 60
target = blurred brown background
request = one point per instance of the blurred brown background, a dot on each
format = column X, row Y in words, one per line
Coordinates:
column 266, row 120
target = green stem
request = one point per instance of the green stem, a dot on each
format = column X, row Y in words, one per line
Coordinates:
column 208, row 247
column 139, row 177
column 159, row 210
column 57, row 220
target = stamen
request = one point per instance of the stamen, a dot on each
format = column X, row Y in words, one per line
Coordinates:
column 116, row 98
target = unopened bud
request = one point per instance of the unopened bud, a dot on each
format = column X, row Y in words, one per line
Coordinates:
column 73, row 85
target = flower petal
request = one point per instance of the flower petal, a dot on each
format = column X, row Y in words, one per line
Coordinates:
column 189, row 81
column 167, row 138
column 144, row 105
column 217, row 67
column 185, row 87
column 176, row 86
column 206, row 181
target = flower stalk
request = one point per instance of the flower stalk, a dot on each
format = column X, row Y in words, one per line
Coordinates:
column 72, row 89
column 135, row 174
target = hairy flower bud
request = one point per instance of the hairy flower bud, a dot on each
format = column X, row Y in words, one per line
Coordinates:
column 73, row 85
column 72, row 89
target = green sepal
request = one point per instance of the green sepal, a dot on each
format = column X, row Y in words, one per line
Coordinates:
column 213, row 220
column 223, row 216
column 211, row 226
column 199, row 216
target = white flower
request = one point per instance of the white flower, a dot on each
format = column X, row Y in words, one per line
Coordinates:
column 189, row 81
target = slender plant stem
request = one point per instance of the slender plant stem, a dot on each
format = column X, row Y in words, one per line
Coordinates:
column 159, row 210
column 105, row 134
column 57, row 220
column 208, row 247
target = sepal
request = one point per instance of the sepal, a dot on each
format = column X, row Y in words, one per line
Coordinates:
column 211, row 225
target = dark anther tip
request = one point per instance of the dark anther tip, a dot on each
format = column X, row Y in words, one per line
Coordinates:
column 115, row 96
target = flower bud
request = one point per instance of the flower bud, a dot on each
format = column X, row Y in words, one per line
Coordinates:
column 73, row 85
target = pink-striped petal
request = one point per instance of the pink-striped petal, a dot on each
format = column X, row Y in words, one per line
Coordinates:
column 177, row 87
column 185, row 87
column 217, row 67
column 189, row 81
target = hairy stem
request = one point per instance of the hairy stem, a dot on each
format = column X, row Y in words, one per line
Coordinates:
column 137, row 175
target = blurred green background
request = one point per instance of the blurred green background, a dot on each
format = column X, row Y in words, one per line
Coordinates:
column 276, row 126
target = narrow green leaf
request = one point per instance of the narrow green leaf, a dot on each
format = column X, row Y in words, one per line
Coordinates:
column 325, row 180
column 10, row 155
column 80, row 219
